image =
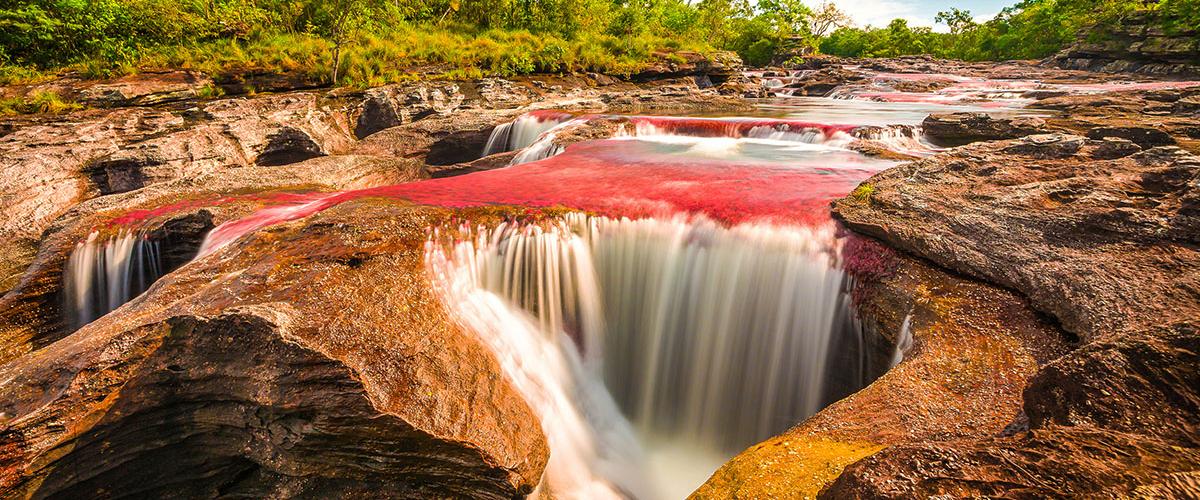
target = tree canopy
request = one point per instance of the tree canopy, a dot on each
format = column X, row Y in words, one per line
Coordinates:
column 367, row 42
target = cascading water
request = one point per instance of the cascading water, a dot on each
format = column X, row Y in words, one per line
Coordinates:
column 709, row 338
column 908, row 139
column 523, row 131
column 103, row 274
column 904, row 340
column 776, row 130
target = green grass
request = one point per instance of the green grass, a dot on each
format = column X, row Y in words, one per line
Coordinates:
column 400, row 55
column 37, row 102
column 863, row 192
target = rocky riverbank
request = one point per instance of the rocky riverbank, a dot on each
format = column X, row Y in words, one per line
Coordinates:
column 1040, row 264
column 1089, row 214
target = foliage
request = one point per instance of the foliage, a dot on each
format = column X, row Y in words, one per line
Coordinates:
column 369, row 42
column 1028, row 30
column 827, row 17
column 863, row 192
column 365, row 42
column 38, row 102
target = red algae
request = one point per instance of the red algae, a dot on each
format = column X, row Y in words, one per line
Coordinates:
column 732, row 127
column 616, row 178
column 135, row 217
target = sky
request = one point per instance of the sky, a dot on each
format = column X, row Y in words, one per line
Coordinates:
column 917, row 12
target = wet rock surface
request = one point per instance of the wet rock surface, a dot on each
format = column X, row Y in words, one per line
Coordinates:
column 974, row 348
column 1107, row 245
column 220, row 382
column 216, row 383
column 1113, row 240
column 351, row 380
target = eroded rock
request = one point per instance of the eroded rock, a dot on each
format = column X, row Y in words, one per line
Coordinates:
column 956, row 129
column 216, row 382
column 1104, row 242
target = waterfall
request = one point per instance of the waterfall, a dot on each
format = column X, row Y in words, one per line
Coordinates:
column 594, row 453
column 708, row 338
column 909, row 139
column 103, row 274
column 779, row 130
column 904, row 340
column 523, row 131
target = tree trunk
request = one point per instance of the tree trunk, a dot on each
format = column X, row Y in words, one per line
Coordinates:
column 337, row 62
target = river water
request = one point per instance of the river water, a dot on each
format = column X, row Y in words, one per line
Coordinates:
column 691, row 305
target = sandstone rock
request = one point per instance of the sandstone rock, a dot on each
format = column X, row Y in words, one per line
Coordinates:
column 392, row 105
column 956, row 129
column 437, row 140
column 499, row 160
column 821, row 82
column 1054, row 463
column 498, row 93
column 47, row 167
column 1110, row 237
column 1141, row 383
column 218, row 383
column 1106, row 245
column 1141, row 135
column 1188, row 105
column 288, row 145
column 718, row 66
column 1114, row 147
column 144, row 89
column 1124, row 113
column 974, row 346
column 32, row 317
column 1131, row 46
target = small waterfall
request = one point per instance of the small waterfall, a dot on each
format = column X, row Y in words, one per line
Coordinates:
column 779, row 130
column 904, row 340
column 543, row 148
column 708, row 338
column 523, row 132
column 908, row 139
column 103, row 274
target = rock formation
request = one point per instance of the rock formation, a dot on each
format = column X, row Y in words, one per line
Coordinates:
column 1106, row 243
column 217, row 383
column 1135, row 45
column 1046, row 272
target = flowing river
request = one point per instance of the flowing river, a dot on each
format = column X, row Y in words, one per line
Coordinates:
column 690, row 304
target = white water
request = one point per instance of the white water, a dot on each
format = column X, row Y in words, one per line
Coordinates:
column 708, row 338
column 520, row 133
column 908, row 139
column 593, row 451
column 101, row 275
column 782, row 133
column 904, row 340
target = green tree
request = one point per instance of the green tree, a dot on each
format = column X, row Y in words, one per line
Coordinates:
column 959, row 21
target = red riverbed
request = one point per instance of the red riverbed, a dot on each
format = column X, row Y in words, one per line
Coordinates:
column 613, row 178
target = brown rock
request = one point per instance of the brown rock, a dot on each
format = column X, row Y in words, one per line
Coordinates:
column 821, row 82
column 32, row 318
column 392, row 105
column 1107, row 244
column 217, row 382
column 1052, row 463
column 974, row 348
column 956, row 129
column 1111, row 239
column 144, row 89
column 1145, row 137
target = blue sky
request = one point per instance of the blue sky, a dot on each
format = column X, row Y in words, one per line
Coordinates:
column 917, row 12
